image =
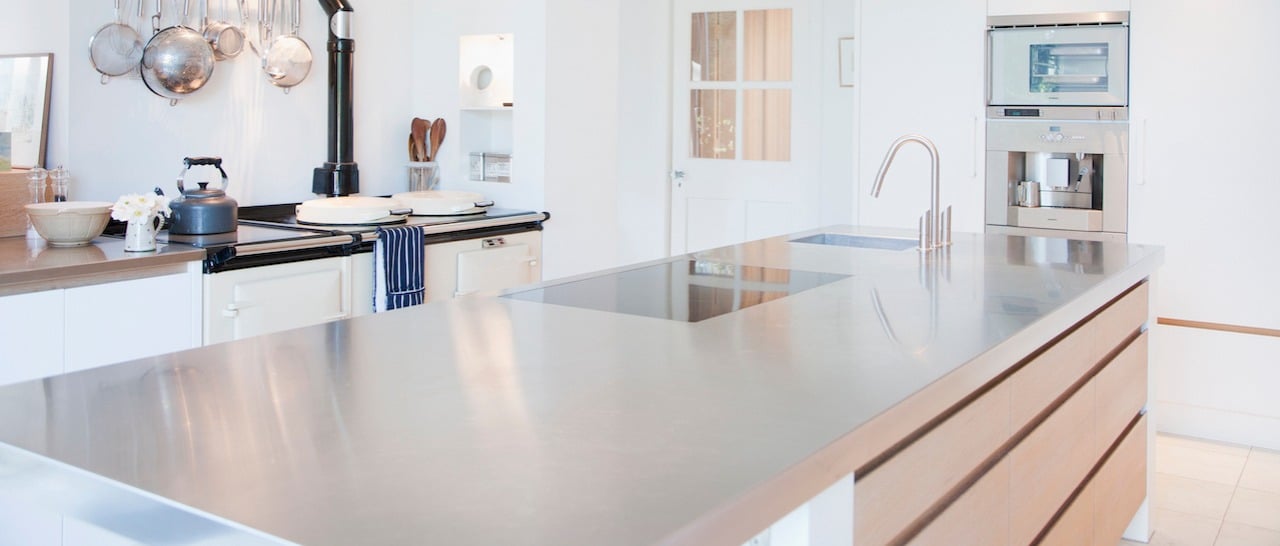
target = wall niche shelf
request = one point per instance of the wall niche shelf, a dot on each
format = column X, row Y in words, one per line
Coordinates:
column 486, row 65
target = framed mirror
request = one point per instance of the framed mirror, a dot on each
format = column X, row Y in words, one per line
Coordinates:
column 24, row 109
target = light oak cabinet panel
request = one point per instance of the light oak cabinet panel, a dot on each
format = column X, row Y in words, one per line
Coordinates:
column 1119, row 321
column 1122, row 392
column 1076, row 526
column 1046, row 377
column 1049, row 464
column 1121, row 485
column 980, row 517
column 1011, row 466
column 893, row 495
column 1101, row 513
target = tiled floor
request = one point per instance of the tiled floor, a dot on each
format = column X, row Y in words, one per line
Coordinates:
column 1211, row 494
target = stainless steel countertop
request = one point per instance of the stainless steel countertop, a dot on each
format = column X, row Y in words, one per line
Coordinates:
column 498, row 421
column 29, row 265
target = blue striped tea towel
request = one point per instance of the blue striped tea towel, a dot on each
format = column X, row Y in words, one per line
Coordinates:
column 398, row 278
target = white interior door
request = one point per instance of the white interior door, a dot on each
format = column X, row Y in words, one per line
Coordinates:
column 745, row 121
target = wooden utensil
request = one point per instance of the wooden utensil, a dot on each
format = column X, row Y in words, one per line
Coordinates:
column 418, row 133
column 437, row 138
column 413, row 149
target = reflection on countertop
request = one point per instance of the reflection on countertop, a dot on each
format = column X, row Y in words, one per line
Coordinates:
column 29, row 265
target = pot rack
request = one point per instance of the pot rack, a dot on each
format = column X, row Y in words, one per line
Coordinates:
column 339, row 175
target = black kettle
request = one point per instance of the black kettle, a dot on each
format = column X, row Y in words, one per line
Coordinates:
column 202, row 211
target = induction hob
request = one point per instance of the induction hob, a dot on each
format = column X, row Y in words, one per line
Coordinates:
column 688, row 290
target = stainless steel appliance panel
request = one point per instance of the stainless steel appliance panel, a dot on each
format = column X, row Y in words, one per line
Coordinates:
column 1059, row 66
column 1095, row 196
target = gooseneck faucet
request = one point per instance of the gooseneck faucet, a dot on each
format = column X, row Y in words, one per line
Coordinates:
column 935, row 225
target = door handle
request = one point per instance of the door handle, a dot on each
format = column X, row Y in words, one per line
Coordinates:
column 232, row 310
column 677, row 176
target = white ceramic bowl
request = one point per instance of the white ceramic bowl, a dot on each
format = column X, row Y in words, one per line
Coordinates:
column 69, row 223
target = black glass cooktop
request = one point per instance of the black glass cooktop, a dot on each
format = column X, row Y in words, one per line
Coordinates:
column 684, row 290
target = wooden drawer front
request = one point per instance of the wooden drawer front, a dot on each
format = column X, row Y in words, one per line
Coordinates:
column 1116, row 323
column 892, row 496
column 980, row 517
column 1075, row 527
column 1045, row 378
column 1122, row 393
column 1120, row 486
column 1049, row 464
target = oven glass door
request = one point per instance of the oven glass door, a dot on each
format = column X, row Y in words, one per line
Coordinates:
column 1060, row 66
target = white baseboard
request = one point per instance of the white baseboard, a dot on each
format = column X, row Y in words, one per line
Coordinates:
column 1218, row 425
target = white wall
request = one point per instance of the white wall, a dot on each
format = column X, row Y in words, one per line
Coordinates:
column 437, row 27
column 119, row 138
column 839, row 150
column 644, row 122
column 37, row 27
column 582, row 135
column 925, row 76
column 125, row 139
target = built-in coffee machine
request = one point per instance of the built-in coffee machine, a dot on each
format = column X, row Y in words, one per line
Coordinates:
column 1058, row 174
column 1057, row 156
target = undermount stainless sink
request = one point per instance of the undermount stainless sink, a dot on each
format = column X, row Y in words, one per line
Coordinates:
column 858, row 241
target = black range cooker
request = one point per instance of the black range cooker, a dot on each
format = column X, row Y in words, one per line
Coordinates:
column 270, row 234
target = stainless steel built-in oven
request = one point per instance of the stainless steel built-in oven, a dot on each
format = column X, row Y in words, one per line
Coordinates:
column 1059, row 60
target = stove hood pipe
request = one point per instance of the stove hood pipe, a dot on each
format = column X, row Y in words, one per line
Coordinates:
column 339, row 175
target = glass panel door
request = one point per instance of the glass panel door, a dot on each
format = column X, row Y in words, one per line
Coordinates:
column 747, row 115
column 1069, row 68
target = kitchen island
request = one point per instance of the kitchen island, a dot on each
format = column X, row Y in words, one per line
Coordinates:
column 698, row 409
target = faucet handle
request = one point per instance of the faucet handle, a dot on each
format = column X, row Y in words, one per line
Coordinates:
column 946, row 227
column 920, row 235
column 929, row 241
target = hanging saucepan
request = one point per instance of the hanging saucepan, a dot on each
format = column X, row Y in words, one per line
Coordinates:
column 287, row 60
column 116, row 48
column 177, row 61
column 226, row 39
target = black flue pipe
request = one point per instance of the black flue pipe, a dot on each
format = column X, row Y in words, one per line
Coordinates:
column 339, row 175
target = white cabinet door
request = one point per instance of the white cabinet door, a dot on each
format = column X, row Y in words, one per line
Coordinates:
column 261, row 300
column 746, row 116
column 118, row 321
column 495, row 268
column 30, row 336
column 921, row 70
column 483, row 264
column 1202, row 185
